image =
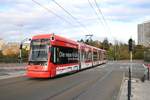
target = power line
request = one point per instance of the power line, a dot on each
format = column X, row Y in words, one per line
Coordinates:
column 105, row 25
column 50, row 11
column 100, row 11
column 83, row 26
column 95, row 12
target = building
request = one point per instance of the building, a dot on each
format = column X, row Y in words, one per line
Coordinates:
column 144, row 33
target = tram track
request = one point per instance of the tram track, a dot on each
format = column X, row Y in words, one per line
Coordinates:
column 80, row 87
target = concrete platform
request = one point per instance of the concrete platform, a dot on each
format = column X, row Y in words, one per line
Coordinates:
column 140, row 90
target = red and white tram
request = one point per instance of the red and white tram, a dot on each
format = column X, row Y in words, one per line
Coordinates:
column 52, row 55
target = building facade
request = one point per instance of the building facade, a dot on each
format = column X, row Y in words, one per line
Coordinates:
column 144, row 33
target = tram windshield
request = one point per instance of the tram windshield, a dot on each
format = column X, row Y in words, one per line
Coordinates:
column 39, row 50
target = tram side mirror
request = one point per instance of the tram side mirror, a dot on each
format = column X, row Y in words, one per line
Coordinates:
column 29, row 39
column 52, row 37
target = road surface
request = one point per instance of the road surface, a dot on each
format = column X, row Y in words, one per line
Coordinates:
column 98, row 83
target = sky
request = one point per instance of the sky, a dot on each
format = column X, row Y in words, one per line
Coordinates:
column 20, row 19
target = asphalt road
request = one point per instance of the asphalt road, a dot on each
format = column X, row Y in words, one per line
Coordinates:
column 99, row 83
column 136, row 68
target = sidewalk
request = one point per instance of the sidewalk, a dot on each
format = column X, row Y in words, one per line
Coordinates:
column 12, row 64
column 140, row 90
column 13, row 68
column 12, row 74
column 9, row 70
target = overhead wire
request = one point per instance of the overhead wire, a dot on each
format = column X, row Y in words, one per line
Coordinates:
column 91, row 5
column 105, row 24
column 100, row 12
column 108, row 28
column 50, row 11
column 62, row 18
column 74, row 18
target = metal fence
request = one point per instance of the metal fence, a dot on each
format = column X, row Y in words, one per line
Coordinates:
column 147, row 56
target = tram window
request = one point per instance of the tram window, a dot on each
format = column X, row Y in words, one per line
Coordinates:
column 100, row 56
column 82, row 55
column 88, row 56
column 53, row 54
column 95, row 56
column 63, row 55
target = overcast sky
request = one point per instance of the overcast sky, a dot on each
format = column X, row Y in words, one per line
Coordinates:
column 24, row 18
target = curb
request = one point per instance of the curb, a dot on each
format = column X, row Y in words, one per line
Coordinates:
column 121, row 87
